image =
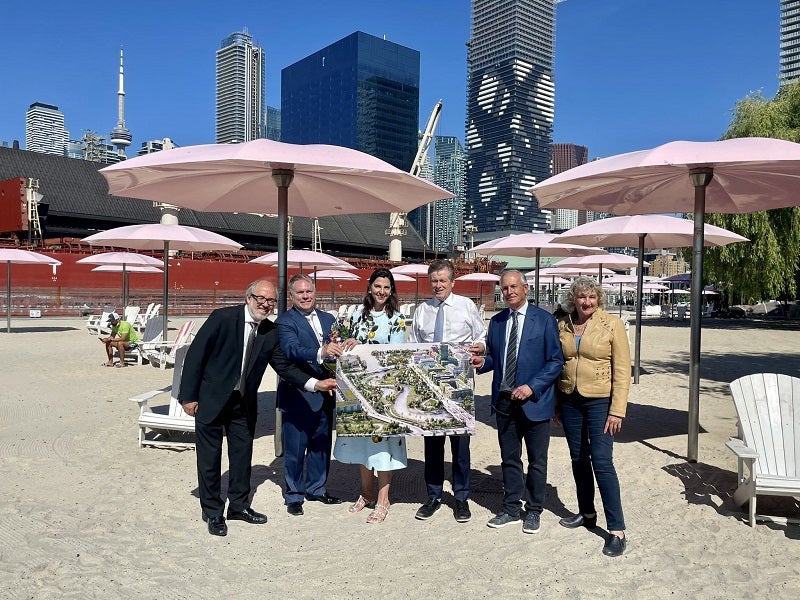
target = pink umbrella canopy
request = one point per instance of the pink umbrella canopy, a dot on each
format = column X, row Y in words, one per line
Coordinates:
column 412, row 270
column 610, row 260
column 256, row 176
column 22, row 257
column 731, row 176
column 533, row 245
column 161, row 236
column 304, row 258
column 334, row 274
column 125, row 261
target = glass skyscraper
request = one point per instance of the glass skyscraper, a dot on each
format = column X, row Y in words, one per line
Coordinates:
column 240, row 89
column 361, row 92
column 510, row 101
column 790, row 40
column 45, row 130
column 450, row 173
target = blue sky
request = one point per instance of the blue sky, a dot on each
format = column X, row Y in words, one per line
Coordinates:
column 630, row 74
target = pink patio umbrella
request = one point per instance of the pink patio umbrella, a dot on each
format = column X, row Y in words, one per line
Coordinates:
column 480, row 277
column 412, row 270
column 533, row 245
column 158, row 236
column 610, row 260
column 124, row 260
column 21, row 257
column 256, row 176
column 646, row 231
column 333, row 275
column 731, row 176
column 304, row 258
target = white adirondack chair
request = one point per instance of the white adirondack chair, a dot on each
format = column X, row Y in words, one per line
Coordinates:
column 96, row 323
column 768, row 407
column 149, row 340
column 171, row 426
column 162, row 354
column 141, row 319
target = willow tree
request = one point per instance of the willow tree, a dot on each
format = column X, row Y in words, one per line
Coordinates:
column 768, row 266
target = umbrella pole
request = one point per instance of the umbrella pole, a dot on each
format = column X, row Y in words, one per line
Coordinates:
column 8, row 297
column 166, row 290
column 700, row 179
column 637, row 351
column 124, row 287
column 620, row 300
column 283, row 179
column 536, row 278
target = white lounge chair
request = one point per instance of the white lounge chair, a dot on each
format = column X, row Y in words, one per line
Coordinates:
column 172, row 426
column 768, row 407
column 162, row 354
column 142, row 317
column 96, row 323
column 149, row 339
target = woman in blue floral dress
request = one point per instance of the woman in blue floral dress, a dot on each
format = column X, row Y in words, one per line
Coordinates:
column 377, row 321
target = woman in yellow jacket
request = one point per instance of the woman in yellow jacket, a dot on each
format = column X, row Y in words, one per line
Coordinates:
column 592, row 395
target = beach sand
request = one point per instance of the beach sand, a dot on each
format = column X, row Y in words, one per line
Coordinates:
column 85, row 513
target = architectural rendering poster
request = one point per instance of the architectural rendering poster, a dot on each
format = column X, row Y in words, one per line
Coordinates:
column 405, row 389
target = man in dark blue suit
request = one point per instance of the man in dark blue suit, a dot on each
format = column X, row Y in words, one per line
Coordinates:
column 219, row 387
column 524, row 352
column 307, row 413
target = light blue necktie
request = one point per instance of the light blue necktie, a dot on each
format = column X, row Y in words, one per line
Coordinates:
column 438, row 327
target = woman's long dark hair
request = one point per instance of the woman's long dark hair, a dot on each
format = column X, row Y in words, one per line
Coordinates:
column 391, row 302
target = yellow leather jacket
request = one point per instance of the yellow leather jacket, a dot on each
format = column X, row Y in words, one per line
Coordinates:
column 603, row 365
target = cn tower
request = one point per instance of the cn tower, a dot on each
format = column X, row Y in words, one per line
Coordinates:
column 120, row 136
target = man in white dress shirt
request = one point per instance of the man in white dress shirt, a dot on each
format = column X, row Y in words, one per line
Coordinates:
column 447, row 317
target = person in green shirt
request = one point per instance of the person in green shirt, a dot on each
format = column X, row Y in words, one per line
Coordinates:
column 123, row 337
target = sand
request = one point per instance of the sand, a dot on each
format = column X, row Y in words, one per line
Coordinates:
column 85, row 513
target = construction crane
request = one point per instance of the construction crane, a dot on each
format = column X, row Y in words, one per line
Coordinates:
column 397, row 221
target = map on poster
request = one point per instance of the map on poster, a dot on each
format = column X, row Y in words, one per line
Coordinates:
column 405, row 389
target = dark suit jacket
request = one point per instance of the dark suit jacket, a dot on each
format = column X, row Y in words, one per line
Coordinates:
column 539, row 359
column 214, row 362
column 300, row 345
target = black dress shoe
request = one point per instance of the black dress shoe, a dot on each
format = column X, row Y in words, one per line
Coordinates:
column 295, row 508
column 427, row 510
column 216, row 525
column 461, row 511
column 248, row 515
column 614, row 545
column 577, row 521
column 325, row 499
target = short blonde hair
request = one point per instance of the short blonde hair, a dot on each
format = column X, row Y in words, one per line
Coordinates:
column 584, row 284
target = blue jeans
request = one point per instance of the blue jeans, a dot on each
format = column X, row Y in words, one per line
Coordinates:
column 591, row 452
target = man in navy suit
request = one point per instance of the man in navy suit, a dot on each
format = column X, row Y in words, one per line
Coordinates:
column 307, row 413
column 219, row 387
column 524, row 352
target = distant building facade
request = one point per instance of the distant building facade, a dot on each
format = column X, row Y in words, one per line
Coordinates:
column 241, row 91
column 273, row 123
column 450, row 173
column 94, row 148
column 156, row 146
column 510, row 106
column 361, row 92
column 565, row 157
column 45, row 129
column 790, row 41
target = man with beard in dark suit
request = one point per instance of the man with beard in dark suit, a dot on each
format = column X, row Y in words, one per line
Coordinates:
column 219, row 385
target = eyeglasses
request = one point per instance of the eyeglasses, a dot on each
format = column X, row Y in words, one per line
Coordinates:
column 263, row 299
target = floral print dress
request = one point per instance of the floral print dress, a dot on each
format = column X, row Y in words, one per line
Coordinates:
column 380, row 454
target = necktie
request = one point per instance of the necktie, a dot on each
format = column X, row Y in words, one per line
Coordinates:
column 438, row 326
column 510, row 377
column 247, row 351
column 315, row 325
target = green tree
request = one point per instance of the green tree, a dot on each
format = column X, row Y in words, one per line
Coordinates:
column 768, row 266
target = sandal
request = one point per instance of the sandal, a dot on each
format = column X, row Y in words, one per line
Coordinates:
column 360, row 505
column 378, row 514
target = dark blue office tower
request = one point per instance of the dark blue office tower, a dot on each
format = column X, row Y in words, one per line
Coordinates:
column 361, row 92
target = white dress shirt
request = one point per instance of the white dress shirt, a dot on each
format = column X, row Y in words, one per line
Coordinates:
column 462, row 322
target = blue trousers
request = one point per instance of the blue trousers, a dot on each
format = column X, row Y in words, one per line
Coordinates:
column 306, row 450
column 434, row 466
column 512, row 429
column 591, row 452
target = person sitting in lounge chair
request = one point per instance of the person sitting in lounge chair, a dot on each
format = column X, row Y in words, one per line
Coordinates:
column 123, row 337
